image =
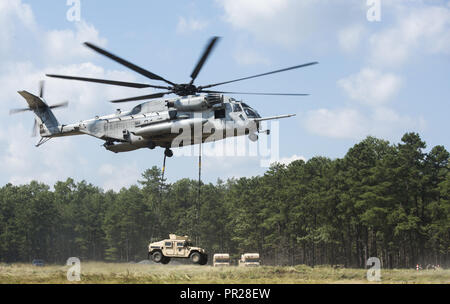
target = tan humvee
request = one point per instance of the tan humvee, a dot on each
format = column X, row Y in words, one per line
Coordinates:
column 249, row 259
column 179, row 247
column 221, row 259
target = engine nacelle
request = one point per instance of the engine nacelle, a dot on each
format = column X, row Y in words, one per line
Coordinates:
column 214, row 98
column 196, row 103
column 170, row 127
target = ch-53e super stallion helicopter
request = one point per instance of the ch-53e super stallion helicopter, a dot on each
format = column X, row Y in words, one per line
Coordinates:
column 160, row 121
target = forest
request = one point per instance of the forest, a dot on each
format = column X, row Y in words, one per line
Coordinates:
column 390, row 201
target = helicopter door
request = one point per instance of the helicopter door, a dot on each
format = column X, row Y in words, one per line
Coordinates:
column 228, row 111
column 219, row 114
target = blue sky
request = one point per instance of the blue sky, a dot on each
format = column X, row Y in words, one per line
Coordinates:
column 374, row 78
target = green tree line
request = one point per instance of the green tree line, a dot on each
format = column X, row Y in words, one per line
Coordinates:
column 390, row 201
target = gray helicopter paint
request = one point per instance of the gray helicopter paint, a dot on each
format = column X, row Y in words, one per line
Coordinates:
column 46, row 120
column 155, row 123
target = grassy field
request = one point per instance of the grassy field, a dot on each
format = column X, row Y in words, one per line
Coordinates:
column 106, row 273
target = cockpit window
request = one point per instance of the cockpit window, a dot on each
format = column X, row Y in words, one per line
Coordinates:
column 136, row 110
column 236, row 108
column 250, row 113
column 245, row 105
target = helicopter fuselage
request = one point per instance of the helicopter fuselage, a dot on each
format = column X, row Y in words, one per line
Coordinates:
column 168, row 123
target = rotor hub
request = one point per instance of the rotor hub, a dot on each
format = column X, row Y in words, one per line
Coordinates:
column 185, row 89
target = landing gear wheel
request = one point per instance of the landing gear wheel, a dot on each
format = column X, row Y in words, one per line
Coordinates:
column 253, row 137
column 157, row 257
column 168, row 152
column 196, row 258
column 165, row 260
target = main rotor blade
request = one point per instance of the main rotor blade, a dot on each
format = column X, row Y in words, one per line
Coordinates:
column 156, row 95
column 246, row 93
column 15, row 111
column 111, row 82
column 205, row 56
column 41, row 89
column 259, row 75
column 59, row 105
column 127, row 63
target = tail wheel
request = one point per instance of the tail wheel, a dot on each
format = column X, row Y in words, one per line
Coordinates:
column 168, row 152
column 157, row 257
column 196, row 258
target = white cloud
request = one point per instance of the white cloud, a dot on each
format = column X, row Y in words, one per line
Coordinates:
column 386, row 120
column 371, row 87
column 355, row 124
column 417, row 25
column 373, row 90
column 85, row 99
column 350, row 37
column 23, row 162
column 190, row 25
column 344, row 123
column 14, row 14
column 225, row 167
column 418, row 29
column 115, row 177
column 287, row 160
column 289, row 22
column 263, row 18
column 247, row 56
column 64, row 45
column 61, row 157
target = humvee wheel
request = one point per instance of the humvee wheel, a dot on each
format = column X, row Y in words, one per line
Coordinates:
column 157, row 257
column 196, row 258
column 204, row 259
column 165, row 260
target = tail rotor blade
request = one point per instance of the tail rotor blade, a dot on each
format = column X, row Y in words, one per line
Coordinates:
column 59, row 105
column 15, row 111
column 41, row 89
column 35, row 128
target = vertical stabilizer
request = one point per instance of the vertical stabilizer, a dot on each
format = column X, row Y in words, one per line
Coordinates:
column 47, row 122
